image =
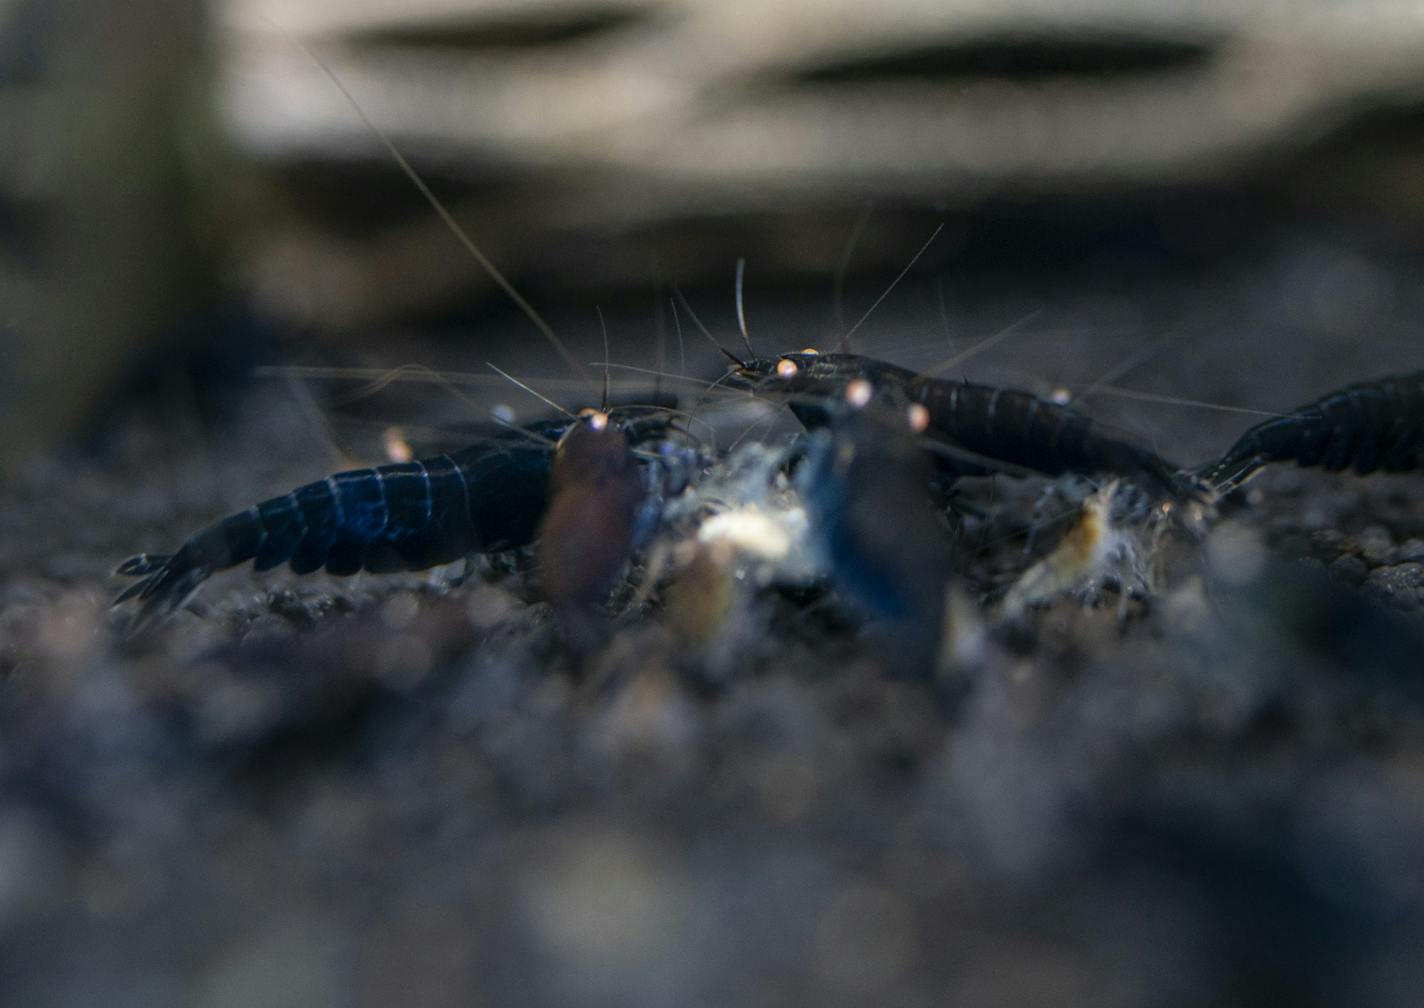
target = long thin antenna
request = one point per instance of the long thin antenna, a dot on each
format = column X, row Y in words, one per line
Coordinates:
column 985, row 344
column 1167, row 400
column 681, row 346
column 379, row 378
column 716, row 386
column 313, row 415
column 1132, row 363
column 710, row 338
column 524, row 432
column 405, row 371
column 607, row 356
column 543, row 398
column 943, row 311
column 439, row 207
column 659, row 327
column 893, row 284
column 741, row 308
column 701, row 383
column 838, row 287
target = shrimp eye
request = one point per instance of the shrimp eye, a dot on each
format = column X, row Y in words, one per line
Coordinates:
column 858, row 393
column 918, row 417
column 810, row 351
column 596, row 419
column 787, row 368
column 397, row 448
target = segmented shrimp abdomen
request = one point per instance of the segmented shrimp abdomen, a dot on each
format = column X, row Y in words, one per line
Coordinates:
column 1021, row 429
column 1368, row 426
column 402, row 516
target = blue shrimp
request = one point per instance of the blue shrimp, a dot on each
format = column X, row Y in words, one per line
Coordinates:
column 864, row 483
column 411, row 516
column 401, row 516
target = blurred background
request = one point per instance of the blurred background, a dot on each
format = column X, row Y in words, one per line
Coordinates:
column 1175, row 211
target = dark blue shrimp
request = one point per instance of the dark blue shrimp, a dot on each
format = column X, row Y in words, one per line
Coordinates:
column 989, row 428
column 864, row 484
column 1370, row 426
column 405, row 516
column 412, row 516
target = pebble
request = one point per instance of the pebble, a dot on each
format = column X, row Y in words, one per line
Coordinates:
column 1400, row 586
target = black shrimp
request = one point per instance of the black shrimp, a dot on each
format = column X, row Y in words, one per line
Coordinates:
column 1370, row 426
column 989, row 428
column 405, row 516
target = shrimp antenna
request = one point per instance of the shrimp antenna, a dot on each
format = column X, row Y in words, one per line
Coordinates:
column 741, row 308
column 523, row 432
column 519, row 384
column 677, row 330
column 607, row 356
column 838, row 288
column 985, row 344
column 461, row 235
column 1168, row 400
column 687, row 379
column 659, row 328
column 710, row 338
column 1131, row 363
column 893, row 284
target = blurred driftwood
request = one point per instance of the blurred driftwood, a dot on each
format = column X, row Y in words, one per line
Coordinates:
column 576, row 138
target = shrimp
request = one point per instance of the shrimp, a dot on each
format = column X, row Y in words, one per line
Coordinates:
column 1370, row 426
column 488, row 497
column 988, row 428
column 402, row 516
column 864, row 483
column 414, row 515
column 587, row 532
